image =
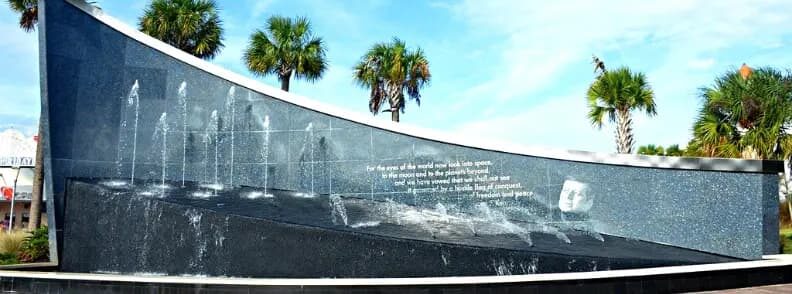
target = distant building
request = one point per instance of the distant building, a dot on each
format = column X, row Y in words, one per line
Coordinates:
column 17, row 161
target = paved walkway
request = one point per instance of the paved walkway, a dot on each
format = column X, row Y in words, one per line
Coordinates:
column 772, row 289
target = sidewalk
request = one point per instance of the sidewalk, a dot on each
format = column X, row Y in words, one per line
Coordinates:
column 772, row 289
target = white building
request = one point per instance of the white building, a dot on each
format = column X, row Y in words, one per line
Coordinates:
column 17, row 161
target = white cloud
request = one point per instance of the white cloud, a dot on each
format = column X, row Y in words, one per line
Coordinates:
column 19, row 86
column 541, row 43
column 540, row 38
column 259, row 8
column 559, row 123
column 704, row 63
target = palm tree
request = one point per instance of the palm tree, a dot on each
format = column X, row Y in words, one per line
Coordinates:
column 616, row 94
column 391, row 70
column 190, row 25
column 28, row 18
column 674, row 150
column 28, row 13
column 651, row 149
column 287, row 48
column 746, row 113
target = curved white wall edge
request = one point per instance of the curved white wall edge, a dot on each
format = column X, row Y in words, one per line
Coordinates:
column 691, row 163
column 769, row 261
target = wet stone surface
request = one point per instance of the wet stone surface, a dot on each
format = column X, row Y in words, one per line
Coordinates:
column 221, row 230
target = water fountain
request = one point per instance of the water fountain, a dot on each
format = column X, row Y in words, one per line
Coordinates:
column 134, row 98
column 205, row 140
column 338, row 210
column 265, row 152
column 161, row 132
column 231, row 111
column 327, row 157
column 373, row 223
column 211, row 134
column 308, row 147
column 501, row 221
column 213, row 124
column 183, row 104
column 122, row 144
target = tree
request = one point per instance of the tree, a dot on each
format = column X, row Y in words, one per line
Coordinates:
column 286, row 48
column 674, row 150
column 190, row 25
column 28, row 18
column 28, row 13
column 616, row 94
column 391, row 70
column 651, row 149
column 745, row 114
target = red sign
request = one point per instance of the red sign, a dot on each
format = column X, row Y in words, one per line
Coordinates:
column 7, row 192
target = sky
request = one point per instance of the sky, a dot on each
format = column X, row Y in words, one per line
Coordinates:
column 513, row 71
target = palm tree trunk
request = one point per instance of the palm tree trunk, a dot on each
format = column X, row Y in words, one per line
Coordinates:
column 284, row 78
column 285, row 84
column 393, row 100
column 38, row 181
column 624, row 138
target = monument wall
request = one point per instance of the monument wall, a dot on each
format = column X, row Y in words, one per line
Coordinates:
column 120, row 105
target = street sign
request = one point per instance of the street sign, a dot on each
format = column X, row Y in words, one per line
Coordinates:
column 16, row 161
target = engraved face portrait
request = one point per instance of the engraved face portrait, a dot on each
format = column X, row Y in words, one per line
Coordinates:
column 575, row 197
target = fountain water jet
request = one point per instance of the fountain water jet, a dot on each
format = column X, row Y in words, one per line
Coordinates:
column 500, row 220
column 257, row 195
column 213, row 125
column 161, row 130
column 205, row 139
column 230, row 101
column 183, row 103
column 338, row 210
column 134, row 98
column 122, row 144
column 265, row 151
column 310, row 133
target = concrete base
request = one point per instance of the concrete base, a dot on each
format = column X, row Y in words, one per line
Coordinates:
column 774, row 269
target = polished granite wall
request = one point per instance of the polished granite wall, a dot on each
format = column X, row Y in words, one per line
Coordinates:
column 296, row 238
column 105, row 94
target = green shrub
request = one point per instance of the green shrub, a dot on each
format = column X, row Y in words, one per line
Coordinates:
column 11, row 243
column 783, row 214
column 8, row 258
column 36, row 246
column 786, row 241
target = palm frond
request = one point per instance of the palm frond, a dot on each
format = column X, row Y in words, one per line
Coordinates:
column 287, row 47
column 619, row 91
column 393, row 72
column 28, row 13
column 193, row 26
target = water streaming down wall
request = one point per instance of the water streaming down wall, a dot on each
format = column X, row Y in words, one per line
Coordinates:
column 267, row 143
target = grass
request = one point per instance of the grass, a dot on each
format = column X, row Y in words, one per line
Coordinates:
column 785, row 223
column 786, row 241
column 786, row 228
column 784, row 217
column 11, row 243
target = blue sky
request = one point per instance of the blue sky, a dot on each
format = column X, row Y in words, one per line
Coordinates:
column 513, row 71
